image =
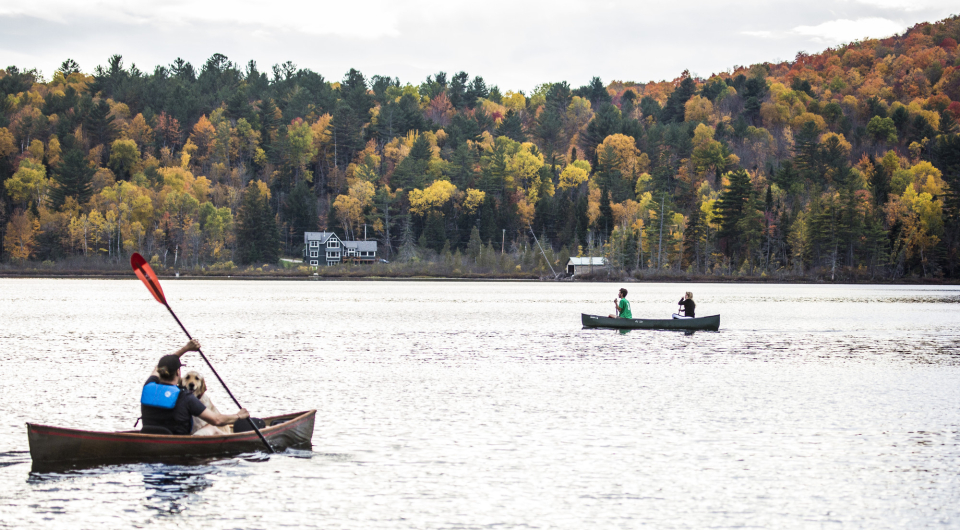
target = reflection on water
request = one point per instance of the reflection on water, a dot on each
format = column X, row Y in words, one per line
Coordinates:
column 171, row 488
column 478, row 405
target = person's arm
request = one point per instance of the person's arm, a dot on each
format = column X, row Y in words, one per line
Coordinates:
column 192, row 345
column 223, row 419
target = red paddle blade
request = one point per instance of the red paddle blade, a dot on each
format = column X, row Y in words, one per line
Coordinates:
column 143, row 271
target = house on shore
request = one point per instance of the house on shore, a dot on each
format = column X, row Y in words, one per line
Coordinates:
column 577, row 266
column 326, row 248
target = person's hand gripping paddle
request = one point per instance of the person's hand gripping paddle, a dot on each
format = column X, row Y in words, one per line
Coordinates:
column 149, row 278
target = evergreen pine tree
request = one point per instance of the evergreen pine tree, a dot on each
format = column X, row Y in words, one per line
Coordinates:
column 807, row 150
column 411, row 172
column 732, row 206
column 605, row 221
column 488, row 219
column 347, row 134
column 628, row 103
column 258, row 238
column 607, row 121
column 475, row 244
column 693, row 236
column 675, row 110
column 99, row 124
column 300, row 210
column 408, row 248
column 72, row 178
column 434, row 232
column 880, row 182
column 512, row 127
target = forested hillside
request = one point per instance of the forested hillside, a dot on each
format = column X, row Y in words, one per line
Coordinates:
column 844, row 163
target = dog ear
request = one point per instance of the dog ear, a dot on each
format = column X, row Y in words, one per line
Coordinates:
column 202, row 386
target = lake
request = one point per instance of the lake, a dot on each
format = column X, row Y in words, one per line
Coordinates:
column 485, row 405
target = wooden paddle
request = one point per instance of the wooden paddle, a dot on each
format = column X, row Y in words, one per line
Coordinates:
column 143, row 271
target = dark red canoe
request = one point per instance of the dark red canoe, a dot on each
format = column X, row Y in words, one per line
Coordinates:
column 56, row 445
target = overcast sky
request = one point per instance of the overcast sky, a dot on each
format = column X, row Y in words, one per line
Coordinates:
column 514, row 44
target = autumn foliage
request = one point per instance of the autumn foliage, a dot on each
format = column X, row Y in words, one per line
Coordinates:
column 844, row 163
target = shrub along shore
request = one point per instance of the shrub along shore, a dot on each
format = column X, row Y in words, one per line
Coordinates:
column 450, row 267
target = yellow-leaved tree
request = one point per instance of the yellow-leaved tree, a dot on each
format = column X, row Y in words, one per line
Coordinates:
column 20, row 239
column 698, row 109
column 473, row 199
column 29, row 183
column 574, row 174
column 432, row 197
column 350, row 208
column 921, row 216
column 523, row 171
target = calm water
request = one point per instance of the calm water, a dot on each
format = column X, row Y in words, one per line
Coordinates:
column 481, row 405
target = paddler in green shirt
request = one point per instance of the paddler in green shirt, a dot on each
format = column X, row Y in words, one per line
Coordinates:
column 622, row 305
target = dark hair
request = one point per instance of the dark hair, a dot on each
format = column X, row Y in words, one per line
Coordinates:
column 623, row 292
column 165, row 373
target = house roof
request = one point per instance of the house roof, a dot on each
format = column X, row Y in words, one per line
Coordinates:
column 323, row 237
column 361, row 246
column 587, row 261
column 318, row 236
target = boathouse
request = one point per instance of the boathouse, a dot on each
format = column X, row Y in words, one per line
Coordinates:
column 577, row 266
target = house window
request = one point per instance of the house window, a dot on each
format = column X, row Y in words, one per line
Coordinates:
column 314, row 244
column 333, row 243
column 333, row 255
column 313, row 262
column 314, row 253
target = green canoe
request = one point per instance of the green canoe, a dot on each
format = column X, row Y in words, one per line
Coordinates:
column 711, row 323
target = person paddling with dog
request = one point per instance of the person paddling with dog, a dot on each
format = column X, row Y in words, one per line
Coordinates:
column 168, row 409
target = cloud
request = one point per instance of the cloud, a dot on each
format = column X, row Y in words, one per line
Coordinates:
column 763, row 34
column 368, row 19
column 845, row 30
column 902, row 5
column 516, row 45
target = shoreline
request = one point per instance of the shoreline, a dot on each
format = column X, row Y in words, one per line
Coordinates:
column 280, row 275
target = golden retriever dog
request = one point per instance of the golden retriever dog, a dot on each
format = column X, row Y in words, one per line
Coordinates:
column 195, row 383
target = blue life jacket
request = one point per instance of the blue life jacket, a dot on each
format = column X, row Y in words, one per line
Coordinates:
column 160, row 396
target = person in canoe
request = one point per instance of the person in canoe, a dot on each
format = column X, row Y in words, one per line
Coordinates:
column 164, row 406
column 687, row 307
column 622, row 305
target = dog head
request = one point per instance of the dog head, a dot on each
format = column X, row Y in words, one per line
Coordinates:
column 194, row 382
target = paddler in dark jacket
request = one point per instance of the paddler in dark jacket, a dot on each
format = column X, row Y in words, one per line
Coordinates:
column 687, row 307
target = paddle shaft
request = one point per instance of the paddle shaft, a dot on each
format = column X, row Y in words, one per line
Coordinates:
column 224, row 385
